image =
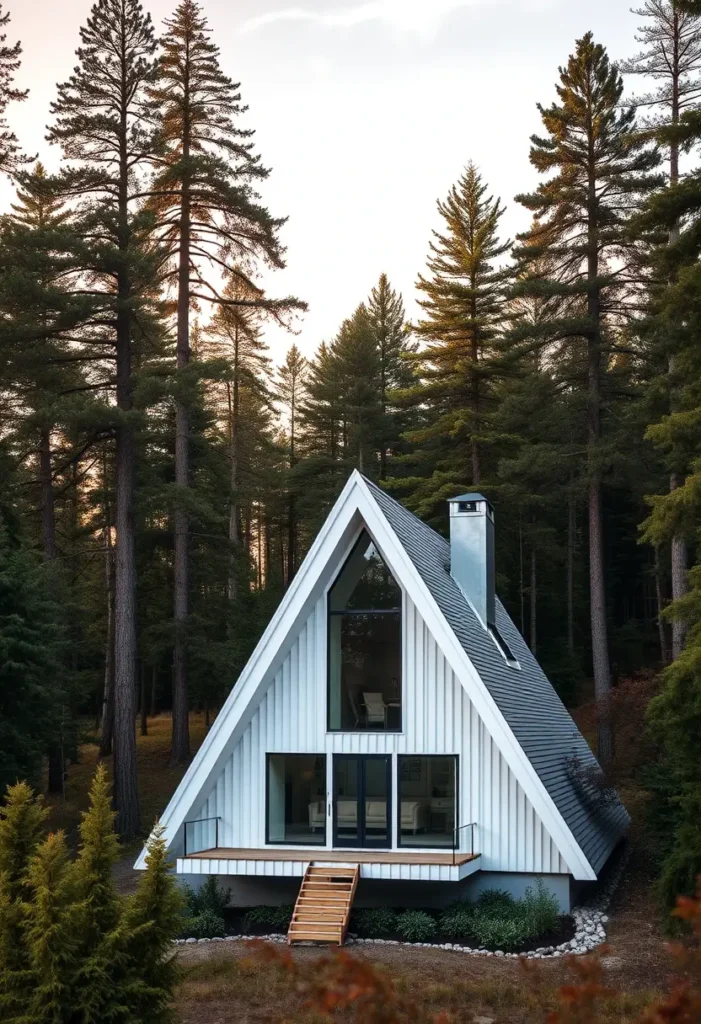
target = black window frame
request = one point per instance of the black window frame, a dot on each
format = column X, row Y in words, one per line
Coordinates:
column 427, row 846
column 364, row 611
column 286, row 842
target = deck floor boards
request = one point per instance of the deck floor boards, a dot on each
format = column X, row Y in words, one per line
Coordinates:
column 335, row 856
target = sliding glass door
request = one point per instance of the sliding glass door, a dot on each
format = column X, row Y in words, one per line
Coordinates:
column 362, row 801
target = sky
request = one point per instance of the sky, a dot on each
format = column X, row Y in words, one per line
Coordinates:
column 366, row 111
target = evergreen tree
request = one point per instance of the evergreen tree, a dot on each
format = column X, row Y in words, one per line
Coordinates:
column 602, row 170
column 52, row 934
column 22, row 820
column 100, row 125
column 11, row 157
column 291, row 390
column 464, row 308
column 29, row 642
column 209, row 218
column 152, row 919
column 671, row 57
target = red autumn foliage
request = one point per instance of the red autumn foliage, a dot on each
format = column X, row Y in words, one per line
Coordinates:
column 345, row 983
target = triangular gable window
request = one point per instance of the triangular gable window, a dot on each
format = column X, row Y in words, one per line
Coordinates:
column 365, row 644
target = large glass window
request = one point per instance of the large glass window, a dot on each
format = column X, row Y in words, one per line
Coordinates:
column 427, row 801
column 297, row 798
column 365, row 644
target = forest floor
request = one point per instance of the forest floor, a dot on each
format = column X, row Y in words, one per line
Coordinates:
column 223, row 984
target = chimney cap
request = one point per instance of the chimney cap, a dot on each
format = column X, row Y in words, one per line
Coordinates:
column 471, row 496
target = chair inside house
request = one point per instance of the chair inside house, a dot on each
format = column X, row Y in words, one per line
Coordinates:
column 358, row 712
column 376, row 708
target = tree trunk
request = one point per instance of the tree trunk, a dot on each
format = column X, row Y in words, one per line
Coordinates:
column 291, row 510
column 597, row 578
column 154, row 680
column 660, row 608
column 142, row 702
column 180, row 748
column 234, row 536
column 571, row 526
column 679, row 553
column 48, row 534
column 533, row 602
column 48, row 520
column 126, row 795
column 107, row 720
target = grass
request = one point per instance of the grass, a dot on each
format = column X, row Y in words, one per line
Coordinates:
column 157, row 779
column 230, row 990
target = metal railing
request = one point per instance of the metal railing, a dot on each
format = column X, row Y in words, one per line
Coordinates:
column 209, row 832
column 457, row 836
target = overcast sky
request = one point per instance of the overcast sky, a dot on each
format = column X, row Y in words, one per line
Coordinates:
column 366, row 111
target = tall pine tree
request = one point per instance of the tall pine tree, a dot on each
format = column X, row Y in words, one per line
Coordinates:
column 99, row 121
column 11, row 156
column 599, row 170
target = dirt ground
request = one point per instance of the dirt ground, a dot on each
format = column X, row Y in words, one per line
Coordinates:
column 222, row 985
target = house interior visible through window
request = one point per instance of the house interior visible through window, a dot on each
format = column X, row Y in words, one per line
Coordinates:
column 365, row 644
column 426, row 787
column 297, row 798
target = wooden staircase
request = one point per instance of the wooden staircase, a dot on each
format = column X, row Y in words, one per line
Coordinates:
column 323, row 906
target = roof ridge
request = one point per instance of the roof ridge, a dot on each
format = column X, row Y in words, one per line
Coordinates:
column 405, row 510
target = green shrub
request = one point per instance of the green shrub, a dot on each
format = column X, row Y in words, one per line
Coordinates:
column 210, row 898
column 500, row 932
column 540, row 908
column 374, row 922
column 203, row 926
column 456, row 922
column 495, row 901
column 277, row 919
column 416, row 926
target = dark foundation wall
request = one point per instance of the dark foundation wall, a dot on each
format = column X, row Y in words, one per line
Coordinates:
column 249, row 891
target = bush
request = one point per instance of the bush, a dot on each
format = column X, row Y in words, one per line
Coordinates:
column 210, row 898
column 456, row 922
column 277, row 919
column 206, row 925
column 374, row 922
column 495, row 901
column 540, row 908
column 499, row 932
column 416, row 926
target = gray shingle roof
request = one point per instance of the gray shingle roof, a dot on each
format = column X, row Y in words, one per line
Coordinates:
column 525, row 697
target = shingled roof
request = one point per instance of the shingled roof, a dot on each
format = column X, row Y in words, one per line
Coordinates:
column 526, row 698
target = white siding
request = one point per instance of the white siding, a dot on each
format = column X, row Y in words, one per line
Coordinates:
column 438, row 718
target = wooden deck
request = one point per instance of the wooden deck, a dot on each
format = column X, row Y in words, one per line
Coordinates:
column 321, row 856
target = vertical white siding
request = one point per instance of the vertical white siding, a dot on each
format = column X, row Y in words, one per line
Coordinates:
column 438, row 718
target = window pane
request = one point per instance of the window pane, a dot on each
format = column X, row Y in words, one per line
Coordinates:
column 427, row 801
column 365, row 644
column 297, row 798
column 365, row 582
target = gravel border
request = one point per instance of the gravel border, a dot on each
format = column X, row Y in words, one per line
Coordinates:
column 590, row 932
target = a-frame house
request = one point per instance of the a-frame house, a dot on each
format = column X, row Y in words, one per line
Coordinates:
column 393, row 725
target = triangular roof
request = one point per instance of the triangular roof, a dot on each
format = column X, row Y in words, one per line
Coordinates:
column 534, row 731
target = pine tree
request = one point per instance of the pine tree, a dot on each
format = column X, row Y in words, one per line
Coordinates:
column 29, row 643
column 152, row 920
column 291, row 390
column 11, row 156
column 385, row 312
column 22, row 823
column 602, row 170
column 52, row 933
column 358, row 374
column 209, row 218
column 100, row 125
column 464, row 308
column 671, row 57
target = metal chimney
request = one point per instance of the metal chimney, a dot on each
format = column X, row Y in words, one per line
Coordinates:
column 472, row 552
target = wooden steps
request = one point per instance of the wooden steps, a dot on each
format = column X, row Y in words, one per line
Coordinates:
column 323, row 906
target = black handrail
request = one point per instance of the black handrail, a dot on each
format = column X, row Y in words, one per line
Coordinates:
column 456, row 838
column 200, row 821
